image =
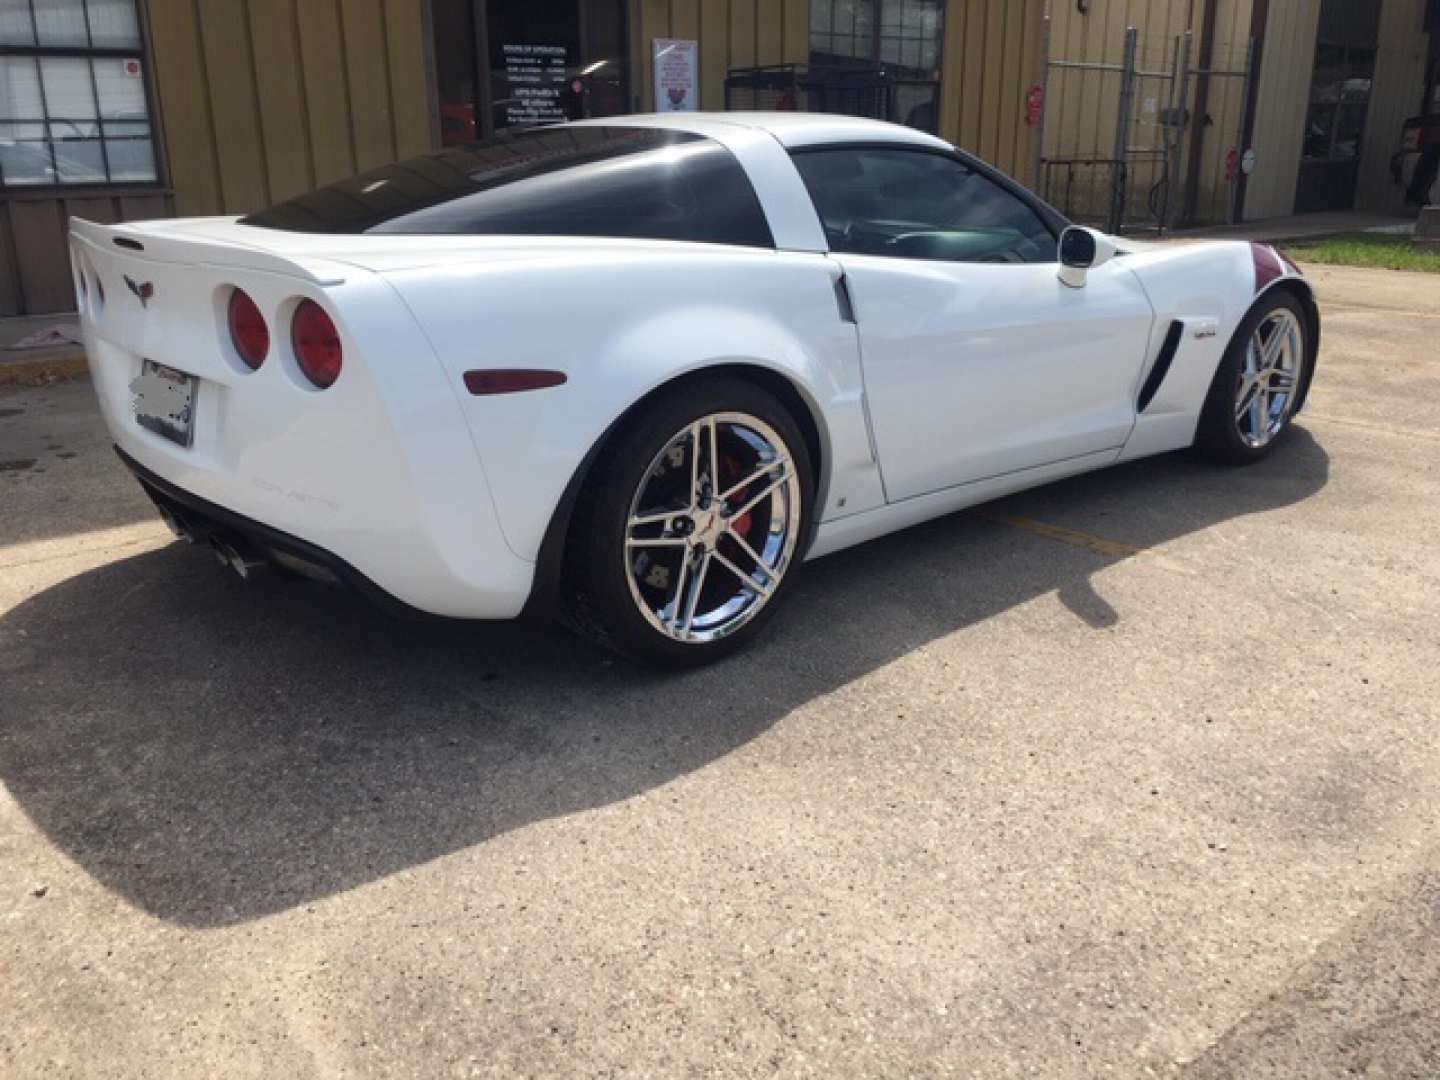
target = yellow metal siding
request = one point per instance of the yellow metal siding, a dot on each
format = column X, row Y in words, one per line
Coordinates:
column 406, row 52
column 367, row 70
column 1225, row 109
column 34, row 257
column 261, row 99
column 741, row 45
column 990, row 61
column 179, row 85
column 272, row 34
column 229, row 69
column 1284, row 99
column 1397, row 93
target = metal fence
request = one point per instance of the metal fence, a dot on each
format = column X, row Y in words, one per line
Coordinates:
column 1133, row 143
column 861, row 91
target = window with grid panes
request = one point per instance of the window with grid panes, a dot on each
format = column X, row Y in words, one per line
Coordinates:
column 901, row 37
column 73, row 102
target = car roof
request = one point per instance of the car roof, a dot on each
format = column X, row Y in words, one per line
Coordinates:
column 792, row 129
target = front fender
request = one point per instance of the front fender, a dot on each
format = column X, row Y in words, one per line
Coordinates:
column 1208, row 288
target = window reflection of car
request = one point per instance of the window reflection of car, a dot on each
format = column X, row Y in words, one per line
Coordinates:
column 30, row 161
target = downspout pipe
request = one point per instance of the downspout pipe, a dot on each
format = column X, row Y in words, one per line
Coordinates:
column 1259, row 20
column 1202, row 107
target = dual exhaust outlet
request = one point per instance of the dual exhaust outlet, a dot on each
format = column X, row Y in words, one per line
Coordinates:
column 228, row 550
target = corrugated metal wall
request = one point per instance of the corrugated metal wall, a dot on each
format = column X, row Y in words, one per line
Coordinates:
column 264, row 99
column 991, row 59
column 34, row 259
column 1397, row 94
column 1284, row 99
column 1224, row 107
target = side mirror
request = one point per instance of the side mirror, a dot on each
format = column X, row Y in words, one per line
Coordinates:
column 1081, row 250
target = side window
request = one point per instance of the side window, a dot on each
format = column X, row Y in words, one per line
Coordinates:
column 914, row 205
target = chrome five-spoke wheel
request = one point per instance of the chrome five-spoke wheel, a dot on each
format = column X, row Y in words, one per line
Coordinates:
column 713, row 527
column 1261, row 380
column 1269, row 378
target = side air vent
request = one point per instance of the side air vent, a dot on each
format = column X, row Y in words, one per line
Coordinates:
column 126, row 242
column 1162, row 365
column 843, row 301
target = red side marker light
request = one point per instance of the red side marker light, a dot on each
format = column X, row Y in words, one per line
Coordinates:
column 511, row 380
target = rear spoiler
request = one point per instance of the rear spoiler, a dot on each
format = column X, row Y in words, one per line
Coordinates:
column 159, row 241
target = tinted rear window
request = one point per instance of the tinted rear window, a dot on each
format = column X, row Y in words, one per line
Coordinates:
column 639, row 183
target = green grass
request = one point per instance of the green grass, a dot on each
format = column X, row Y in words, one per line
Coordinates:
column 1377, row 250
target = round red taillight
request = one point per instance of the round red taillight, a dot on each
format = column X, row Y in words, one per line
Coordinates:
column 316, row 343
column 248, row 330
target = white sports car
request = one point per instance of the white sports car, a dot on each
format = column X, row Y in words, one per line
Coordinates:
column 636, row 370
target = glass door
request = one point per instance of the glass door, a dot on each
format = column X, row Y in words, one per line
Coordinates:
column 1339, row 103
column 517, row 63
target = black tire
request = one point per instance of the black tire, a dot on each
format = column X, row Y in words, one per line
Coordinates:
column 598, row 599
column 1218, row 436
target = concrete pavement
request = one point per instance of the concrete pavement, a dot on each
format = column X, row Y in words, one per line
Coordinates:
column 1135, row 775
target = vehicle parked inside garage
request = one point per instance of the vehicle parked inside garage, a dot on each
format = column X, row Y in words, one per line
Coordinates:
column 641, row 368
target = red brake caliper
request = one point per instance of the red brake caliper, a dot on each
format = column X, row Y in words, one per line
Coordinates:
column 743, row 522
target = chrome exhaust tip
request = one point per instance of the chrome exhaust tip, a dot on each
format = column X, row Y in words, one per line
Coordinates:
column 227, row 554
column 177, row 525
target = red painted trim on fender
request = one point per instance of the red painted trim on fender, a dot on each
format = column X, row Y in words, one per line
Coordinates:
column 1269, row 266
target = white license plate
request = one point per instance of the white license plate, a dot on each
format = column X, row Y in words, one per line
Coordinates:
column 165, row 402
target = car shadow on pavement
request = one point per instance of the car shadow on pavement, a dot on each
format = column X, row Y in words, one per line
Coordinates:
column 215, row 752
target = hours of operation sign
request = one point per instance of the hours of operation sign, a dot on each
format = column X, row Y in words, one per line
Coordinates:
column 535, row 75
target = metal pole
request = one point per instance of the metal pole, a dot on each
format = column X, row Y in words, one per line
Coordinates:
column 1204, row 76
column 1233, row 217
column 1259, row 27
column 1119, row 170
column 1044, row 82
column 1175, row 137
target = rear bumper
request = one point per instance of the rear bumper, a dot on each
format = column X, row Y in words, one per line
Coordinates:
column 202, row 521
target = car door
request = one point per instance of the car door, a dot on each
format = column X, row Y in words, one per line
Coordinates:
column 978, row 361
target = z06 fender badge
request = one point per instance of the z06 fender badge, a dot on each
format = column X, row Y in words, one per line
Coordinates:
column 1206, row 328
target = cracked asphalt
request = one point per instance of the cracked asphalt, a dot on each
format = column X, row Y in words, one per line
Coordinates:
column 1134, row 775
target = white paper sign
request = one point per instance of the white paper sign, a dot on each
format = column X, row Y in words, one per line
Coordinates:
column 677, row 75
column 536, row 84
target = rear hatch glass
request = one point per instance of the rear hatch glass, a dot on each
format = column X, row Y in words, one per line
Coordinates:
column 627, row 182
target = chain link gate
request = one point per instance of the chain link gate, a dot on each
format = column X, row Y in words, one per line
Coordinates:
column 1125, row 123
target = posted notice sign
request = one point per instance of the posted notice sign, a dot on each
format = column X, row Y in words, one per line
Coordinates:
column 536, row 82
column 677, row 75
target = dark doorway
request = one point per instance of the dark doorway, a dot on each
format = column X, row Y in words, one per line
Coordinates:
column 1339, row 103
